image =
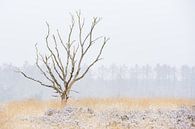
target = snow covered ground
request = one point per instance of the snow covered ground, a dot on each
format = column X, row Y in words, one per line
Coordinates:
column 88, row 118
column 91, row 113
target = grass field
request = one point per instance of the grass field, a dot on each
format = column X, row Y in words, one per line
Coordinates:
column 11, row 112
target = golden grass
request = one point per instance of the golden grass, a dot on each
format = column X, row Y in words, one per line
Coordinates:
column 132, row 102
column 12, row 110
column 30, row 107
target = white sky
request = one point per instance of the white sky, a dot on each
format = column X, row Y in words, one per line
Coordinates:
column 141, row 31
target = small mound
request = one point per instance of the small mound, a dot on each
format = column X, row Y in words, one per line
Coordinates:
column 79, row 117
column 67, row 117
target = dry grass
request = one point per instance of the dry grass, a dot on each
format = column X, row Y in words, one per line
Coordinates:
column 131, row 103
column 12, row 110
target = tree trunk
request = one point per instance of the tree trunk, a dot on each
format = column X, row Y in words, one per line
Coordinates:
column 65, row 94
column 63, row 103
column 64, row 99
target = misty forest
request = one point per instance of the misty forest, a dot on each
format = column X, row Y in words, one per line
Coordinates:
column 111, row 81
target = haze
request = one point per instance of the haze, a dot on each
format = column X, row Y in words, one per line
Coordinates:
column 141, row 32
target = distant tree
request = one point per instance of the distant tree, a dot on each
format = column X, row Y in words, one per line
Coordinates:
column 193, row 76
column 113, row 72
column 62, row 73
column 158, row 74
column 102, row 73
column 185, row 74
column 134, row 74
column 123, row 71
column 146, row 74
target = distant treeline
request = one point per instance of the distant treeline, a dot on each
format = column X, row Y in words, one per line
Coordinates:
column 161, row 74
column 134, row 81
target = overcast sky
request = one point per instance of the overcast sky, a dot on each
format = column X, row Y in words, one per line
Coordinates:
column 141, row 31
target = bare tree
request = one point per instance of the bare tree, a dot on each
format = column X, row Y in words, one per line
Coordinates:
column 62, row 72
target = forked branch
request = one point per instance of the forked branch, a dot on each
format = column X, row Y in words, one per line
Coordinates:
column 63, row 71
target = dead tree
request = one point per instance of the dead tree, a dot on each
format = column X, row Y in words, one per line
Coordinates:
column 62, row 72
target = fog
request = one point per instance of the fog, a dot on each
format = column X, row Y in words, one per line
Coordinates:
column 105, row 81
column 142, row 32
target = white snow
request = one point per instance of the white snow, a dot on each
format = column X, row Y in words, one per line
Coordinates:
column 85, row 118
